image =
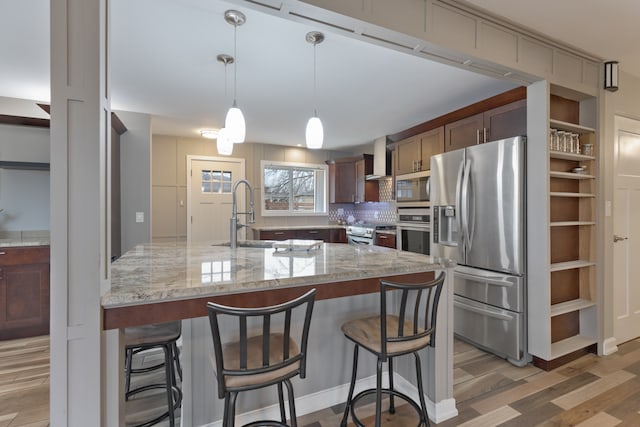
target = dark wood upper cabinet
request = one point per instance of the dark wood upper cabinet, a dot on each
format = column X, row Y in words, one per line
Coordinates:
column 464, row 132
column 347, row 180
column 366, row 191
column 505, row 121
column 414, row 153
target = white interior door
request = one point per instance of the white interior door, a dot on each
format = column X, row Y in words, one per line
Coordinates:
column 209, row 201
column 626, row 229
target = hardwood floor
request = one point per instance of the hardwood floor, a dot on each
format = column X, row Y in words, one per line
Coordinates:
column 591, row 391
column 24, row 382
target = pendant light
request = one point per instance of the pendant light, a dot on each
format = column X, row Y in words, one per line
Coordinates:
column 314, row 134
column 234, row 122
column 224, row 144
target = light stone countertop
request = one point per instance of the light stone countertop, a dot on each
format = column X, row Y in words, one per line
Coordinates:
column 158, row 272
column 24, row 238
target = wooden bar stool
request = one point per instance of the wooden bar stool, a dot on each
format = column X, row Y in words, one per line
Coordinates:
column 165, row 337
column 406, row 327
column 268, row 355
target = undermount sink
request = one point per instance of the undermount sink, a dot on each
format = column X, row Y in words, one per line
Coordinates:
column 250, row 244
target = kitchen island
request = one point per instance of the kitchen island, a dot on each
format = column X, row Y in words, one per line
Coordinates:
column 162, row 282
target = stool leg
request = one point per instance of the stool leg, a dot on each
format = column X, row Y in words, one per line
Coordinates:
column 127, row 372
column 225, row 416
column 283, row 415
column 392, row 406
column 168, row 368
column 379, row 393
column 424, row 414
column 232, row 409
column 343, row 423
column 176, row 356
column 292, row 404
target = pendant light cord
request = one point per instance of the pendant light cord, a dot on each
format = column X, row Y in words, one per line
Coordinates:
column 235, row 63
column 315, row 96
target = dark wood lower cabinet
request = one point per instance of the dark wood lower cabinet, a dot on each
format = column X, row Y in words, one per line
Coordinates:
column 329, row 235
column 387, row 240
column 24, row 292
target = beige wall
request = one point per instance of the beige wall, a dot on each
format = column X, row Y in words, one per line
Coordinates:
column 625, row 102
column 169, row 179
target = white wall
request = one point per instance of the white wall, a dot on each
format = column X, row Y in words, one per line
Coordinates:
column 24, row 194
column 135, row 178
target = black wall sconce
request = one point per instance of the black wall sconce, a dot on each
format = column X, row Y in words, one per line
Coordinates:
column 611, row 76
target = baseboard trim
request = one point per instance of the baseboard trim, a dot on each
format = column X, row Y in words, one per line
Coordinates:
column 327, row 398
column 438, row 412
column 609, row 346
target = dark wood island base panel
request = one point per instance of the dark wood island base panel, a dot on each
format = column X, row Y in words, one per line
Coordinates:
column 144, row 314
column 549, row 365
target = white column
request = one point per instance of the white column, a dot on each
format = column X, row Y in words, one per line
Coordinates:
column 80, row 131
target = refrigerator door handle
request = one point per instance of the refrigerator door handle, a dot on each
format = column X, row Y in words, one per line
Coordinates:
column 489, row 313
column 458, row 202
column 464, row 203
column 493, row 280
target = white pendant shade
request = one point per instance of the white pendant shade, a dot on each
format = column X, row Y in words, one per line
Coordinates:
column 314, row 134
column 234, row 124
column 224, row 144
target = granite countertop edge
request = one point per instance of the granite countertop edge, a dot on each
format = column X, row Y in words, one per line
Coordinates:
column 167, row 286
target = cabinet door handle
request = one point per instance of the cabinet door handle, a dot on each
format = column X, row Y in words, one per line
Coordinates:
column 382, row 236
column 617, row 238
column 278, row 232
column 3, row 253
column 313, row 232
column 477, row 136
column 484, row 134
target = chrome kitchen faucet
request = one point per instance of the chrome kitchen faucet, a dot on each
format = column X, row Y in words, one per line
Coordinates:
column 235, row 225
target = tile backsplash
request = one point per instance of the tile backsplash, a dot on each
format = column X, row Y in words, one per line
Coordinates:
column 384, row 211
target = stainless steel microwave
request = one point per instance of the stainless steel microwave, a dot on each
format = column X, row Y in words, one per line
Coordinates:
column 413, row 189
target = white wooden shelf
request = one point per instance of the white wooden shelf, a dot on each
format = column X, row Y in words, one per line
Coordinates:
column 571, row 223
column 570, row 265
column 569, row 306
column 570, row 194
column 569, row 345
column 570, row 175
column 569, row 156
column 558, row 124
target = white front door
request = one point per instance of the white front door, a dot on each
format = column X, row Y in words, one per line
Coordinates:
column 209, row 200
column 626, row 230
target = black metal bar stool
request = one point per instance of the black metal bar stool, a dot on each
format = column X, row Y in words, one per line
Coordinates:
column 142, row 338
column 269, row 355
column 406, row 327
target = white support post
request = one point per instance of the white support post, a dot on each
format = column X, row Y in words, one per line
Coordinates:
column 80, row 230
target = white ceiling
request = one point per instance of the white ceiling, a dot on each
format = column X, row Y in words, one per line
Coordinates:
column 163, row 63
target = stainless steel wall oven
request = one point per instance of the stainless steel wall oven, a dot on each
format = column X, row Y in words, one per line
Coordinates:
column 413, row 230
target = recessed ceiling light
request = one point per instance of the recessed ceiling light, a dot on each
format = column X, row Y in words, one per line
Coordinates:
column 209, row 133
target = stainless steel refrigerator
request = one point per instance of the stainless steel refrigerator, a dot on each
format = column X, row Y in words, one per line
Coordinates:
column 479, row 220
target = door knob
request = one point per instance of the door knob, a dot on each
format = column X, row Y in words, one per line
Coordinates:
column 617, row 238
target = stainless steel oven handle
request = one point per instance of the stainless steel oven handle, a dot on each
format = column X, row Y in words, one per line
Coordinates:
column 412, row 227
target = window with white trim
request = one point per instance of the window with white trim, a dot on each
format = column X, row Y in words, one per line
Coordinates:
column 294, row 189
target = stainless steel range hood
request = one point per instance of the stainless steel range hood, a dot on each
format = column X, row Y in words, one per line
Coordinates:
column 381, row 159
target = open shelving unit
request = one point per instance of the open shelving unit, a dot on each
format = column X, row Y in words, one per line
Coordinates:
column 563, row 291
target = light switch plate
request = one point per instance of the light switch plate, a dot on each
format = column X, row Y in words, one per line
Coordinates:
column 139, row 216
